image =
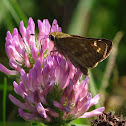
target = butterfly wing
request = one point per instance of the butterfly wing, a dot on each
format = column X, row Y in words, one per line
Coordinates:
column 91, row 40
column 83, row 52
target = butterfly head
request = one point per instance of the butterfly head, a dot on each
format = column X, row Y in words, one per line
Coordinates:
column 53, row 35
column 56, row 35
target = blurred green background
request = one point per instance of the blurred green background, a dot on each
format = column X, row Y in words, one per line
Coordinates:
column 89, row 18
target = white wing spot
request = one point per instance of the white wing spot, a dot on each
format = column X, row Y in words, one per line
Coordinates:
column 95, row 43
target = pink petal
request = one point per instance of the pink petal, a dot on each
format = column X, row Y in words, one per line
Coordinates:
column 48, row 88
column 7, row 71
column 95, row 112
column 42, row 112
column 29, row 31
column 34, row 52
column 31, row 25
column 17, row 102
column 55, row 27
column 29, row 116
column 82, row 106
column 26, row 59
column 25, row 80
column 18, row 90
column 17, row 45
column 15, row 32
column 95, row 100
column 67, row 92
column 22, row 29
column 46, row 26
column 44, row 30
column 12, row 53
column 41, row 55
column 14, row 65
column 52, row 113
column 42, row 99
column 34, row 79
column 8, row 37
column 65, row 80
column 38, row 68
column 60, row 106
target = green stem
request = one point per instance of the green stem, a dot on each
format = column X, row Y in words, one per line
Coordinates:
column 93, row 89
column 110, row 64
column 4, row 101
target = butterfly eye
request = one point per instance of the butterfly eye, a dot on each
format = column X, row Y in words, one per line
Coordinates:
column 52, row 38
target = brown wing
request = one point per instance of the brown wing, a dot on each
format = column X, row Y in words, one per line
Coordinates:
column 108, row 42
column 109, row 46
column 83, row 52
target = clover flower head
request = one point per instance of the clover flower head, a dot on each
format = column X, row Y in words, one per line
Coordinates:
column 54, row 93
column 23, row 49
